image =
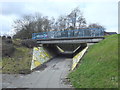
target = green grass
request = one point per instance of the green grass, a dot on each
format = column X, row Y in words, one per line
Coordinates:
column 99, row 67
column 19, row 62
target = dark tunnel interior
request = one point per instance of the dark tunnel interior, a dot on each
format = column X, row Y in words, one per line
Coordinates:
column 70, row 50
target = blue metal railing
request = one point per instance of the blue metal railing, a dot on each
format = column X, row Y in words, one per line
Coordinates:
column 88, row 32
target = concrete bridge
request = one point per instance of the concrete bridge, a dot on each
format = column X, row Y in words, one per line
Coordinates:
column 50, row 71
column 86, row 35
column 56, row 43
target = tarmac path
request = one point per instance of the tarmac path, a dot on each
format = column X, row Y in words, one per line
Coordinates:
column 52, row 74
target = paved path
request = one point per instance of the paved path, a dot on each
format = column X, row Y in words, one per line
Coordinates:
column 52, row 75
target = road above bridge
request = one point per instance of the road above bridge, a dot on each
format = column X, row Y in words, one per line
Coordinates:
column 51, row 75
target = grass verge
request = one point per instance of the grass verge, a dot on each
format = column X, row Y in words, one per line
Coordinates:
column 19, row 62
column 99, row 67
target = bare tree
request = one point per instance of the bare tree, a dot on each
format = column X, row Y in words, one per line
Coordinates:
column 73, row 20
column 95, row 25
column 29, row 24
column 76, row 18
column 82, row 22
column 36, row 23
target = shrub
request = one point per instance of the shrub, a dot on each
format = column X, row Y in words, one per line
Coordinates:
column 9, row 41
column 3, row 37
column 8, row 37
column 29, row 43
column 17, row 42
column 7, row 49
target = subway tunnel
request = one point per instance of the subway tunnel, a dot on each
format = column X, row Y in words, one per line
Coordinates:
column 64, row 50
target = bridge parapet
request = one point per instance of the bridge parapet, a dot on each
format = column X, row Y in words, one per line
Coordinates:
column 85, row 32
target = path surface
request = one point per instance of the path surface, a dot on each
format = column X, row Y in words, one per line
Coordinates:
column 52, row 75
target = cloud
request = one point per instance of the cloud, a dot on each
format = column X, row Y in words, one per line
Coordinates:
column 51, row 8
column 104, row 13
column 12, row 8
column 6, row 23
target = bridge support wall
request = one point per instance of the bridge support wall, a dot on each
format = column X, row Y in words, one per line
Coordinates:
column 45, row 52
column 78, row 57
column 42, row 54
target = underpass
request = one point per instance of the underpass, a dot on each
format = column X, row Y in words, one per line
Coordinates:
column 53, row 59
column 51, row 74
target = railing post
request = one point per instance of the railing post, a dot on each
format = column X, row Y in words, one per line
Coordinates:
column 83, row 33
column 99, row 32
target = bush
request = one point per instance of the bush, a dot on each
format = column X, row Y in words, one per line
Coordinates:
column 17, row 42
column 29, row 43
column 8, row 37
column 3, row 37
column 9, row 41
column 7, row 49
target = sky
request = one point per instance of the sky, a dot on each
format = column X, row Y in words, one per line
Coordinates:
column 103, row 12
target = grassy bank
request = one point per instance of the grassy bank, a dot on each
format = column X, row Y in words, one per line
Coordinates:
column 99, row 67
column 19, row 62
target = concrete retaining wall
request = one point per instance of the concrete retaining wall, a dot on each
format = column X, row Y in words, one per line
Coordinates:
column 44, row 54
column 77, row 58
column 40, row 56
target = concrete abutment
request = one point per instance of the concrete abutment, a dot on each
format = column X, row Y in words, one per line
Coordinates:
column 46, row 52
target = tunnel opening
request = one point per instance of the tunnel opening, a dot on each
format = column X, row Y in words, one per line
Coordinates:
column 64, row 50
column 48, row 52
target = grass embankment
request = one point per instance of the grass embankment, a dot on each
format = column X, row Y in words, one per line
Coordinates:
column 19, row 62
column 99, row 67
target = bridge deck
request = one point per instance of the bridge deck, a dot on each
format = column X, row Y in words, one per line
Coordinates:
column 70, row 40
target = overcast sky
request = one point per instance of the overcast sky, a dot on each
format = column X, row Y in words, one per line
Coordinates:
column 104, row 12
